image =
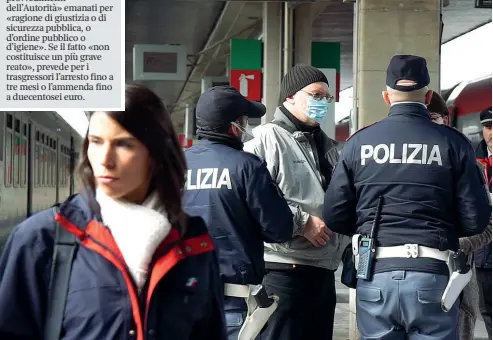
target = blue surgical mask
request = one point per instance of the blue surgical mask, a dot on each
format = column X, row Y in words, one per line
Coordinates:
column 316, row 109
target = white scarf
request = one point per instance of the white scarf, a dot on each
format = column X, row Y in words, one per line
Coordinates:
column 137, row 229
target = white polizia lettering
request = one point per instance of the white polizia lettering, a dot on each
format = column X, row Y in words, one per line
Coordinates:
column 405, row 154
column 208, row 178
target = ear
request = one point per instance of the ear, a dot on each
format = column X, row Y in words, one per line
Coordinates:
column 233, row 130
column 445, row 120
column 428, row 97
column 385, row 96
column 290, row 100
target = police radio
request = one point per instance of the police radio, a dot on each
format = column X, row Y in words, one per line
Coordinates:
column 366, row 247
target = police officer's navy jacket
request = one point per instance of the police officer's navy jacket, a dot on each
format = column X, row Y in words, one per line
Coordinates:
column 182, row 298
column 234, row 193
column 482, row 257
column 432, row 189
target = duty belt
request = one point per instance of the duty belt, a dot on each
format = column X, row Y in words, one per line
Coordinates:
column 458, row 277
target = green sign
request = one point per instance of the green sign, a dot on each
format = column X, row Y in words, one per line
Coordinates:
column 246, row 54
column 326, row 55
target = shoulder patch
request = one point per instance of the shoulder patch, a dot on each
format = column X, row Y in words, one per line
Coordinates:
column 364, row 127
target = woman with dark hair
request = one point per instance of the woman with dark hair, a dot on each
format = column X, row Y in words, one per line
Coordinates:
column 470, row 295
column 140, row 268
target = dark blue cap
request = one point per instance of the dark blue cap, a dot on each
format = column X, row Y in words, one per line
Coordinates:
column 221, row 105
column 485, row 117
column 407, row 67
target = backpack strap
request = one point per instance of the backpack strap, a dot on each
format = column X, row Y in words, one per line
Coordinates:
column 285, row 126
column 63, row 256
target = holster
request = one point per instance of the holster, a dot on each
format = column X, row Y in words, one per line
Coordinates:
column 256, row 318
column 456, row 284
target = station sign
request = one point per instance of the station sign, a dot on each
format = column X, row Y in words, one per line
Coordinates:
column 246, row 67
column 160, row 62
column 248, row 83
column 326, row 56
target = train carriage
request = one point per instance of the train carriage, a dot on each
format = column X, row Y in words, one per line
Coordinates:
column 38, row 153
column 464, row 100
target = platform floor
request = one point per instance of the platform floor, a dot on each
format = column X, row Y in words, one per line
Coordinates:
column 341, row 320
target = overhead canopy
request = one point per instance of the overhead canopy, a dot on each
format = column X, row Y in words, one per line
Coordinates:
column 205, row 28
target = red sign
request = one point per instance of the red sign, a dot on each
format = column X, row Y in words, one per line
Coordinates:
column 184, row 142
column 248, row 83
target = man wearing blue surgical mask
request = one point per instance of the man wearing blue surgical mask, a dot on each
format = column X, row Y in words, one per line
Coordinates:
column 300, row 158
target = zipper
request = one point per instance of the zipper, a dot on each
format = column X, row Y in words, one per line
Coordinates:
column 142, row 295
column 132, row 281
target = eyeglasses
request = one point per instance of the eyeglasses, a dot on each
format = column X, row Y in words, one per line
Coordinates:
column 317, row 96
column 435, row 116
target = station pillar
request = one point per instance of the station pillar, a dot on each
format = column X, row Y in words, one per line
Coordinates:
column 272, row 55
column 384, row 28
column 302, row 32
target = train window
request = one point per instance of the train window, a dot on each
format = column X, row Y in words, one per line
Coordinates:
column 9, row 120
column 45, row 158
column 43, row 138
column 17, row 126
column 16, row 164
column 36, row 164
column 63, row 171
column 8, row 158
column 66, row 170
column 37, row 136
column 24, row 129
column 53, row 169
column 42, row 165
column 54, row 145
column 49, row 165
column 23, row 162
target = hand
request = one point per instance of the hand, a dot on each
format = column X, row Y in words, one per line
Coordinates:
column 316, row 231
column 465, row 245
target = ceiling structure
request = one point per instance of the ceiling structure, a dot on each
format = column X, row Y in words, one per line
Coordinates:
column 206, row 26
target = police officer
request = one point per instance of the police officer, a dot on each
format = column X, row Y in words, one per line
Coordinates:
column 419, row 183
column 234, row 193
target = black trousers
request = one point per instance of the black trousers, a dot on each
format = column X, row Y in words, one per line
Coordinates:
column 484, row 285
column 307, row 302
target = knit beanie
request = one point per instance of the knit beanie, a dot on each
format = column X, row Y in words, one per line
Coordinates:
column 298, row 77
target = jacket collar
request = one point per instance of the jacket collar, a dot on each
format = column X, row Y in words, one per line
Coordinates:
column 280, row 116
column 481, row 149
column 77, row 209
column 410, row 109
